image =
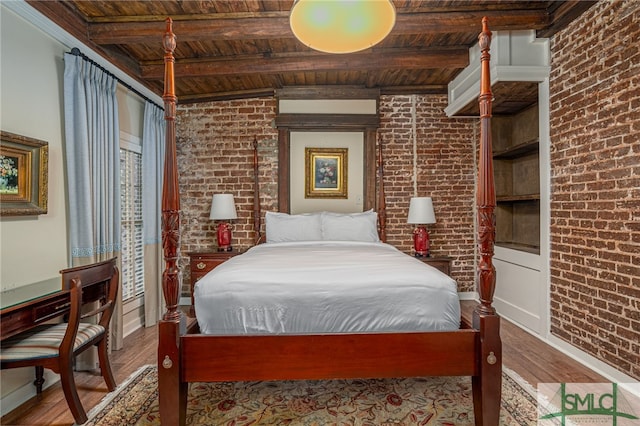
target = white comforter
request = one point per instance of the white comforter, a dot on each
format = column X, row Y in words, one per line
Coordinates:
column 325, row 287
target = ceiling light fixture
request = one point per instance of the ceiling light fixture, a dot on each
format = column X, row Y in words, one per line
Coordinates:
column 342, row 26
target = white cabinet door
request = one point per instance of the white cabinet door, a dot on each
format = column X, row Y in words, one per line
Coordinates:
column 519, row 294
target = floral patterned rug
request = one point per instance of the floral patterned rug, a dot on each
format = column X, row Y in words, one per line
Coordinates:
column 417, row 401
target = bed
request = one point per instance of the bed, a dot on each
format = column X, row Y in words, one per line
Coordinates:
column 287, row 288
column 277, row 352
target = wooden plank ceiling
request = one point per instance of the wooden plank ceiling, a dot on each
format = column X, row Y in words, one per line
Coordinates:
column 232, row 49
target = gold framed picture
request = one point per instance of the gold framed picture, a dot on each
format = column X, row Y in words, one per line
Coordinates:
column 326, row 172
column 23, row 175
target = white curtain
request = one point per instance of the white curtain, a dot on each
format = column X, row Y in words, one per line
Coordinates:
column 153, row 147
column 93, row 170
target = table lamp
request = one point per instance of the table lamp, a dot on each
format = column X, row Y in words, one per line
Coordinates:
column 223, row 208
column 421, row 213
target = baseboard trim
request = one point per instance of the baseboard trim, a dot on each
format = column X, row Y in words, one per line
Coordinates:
column 605, row 370
column 468, row 295
column 14, row 399
column 615, row 376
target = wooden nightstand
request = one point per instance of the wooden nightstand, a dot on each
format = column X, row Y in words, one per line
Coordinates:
column 442, row 263
column 202, row 262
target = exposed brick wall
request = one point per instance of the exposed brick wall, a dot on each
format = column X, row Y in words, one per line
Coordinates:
column 215, row 155
column 595, row 184
column 445, row 168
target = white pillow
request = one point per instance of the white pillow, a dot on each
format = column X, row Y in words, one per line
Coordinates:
column 283, row 227
column 350, row 226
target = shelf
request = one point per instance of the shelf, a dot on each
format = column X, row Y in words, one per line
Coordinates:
column 519, row 150
column 517, row 179
column 515, row 198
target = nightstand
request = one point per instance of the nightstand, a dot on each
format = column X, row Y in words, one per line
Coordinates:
column 202, row 262
column 441, row 263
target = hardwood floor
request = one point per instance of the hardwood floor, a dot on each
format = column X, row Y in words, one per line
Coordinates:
column 50, row 408
column 535, row 361
column 532, row 359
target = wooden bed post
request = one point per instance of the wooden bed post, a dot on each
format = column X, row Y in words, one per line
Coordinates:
column 487, row 385
column 257, row 215
column 172, row 391
column 382, row 203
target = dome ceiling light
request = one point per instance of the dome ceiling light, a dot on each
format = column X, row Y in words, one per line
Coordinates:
column 342, row 26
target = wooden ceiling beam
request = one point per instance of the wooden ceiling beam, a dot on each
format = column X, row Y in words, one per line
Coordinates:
column 225, row 96
column 430, row 89
column 275, row 27
column 453, row 22
column 268, row 92
column 416, row 59
column 193, row 30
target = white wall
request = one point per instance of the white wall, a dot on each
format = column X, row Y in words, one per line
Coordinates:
column 354, row 142
column 34, row 248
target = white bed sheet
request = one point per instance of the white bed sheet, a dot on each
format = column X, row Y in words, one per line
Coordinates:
column 325, row 287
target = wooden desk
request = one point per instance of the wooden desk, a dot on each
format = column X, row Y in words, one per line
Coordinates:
column 25, row 307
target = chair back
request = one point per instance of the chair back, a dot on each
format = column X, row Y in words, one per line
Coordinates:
column 93, row 289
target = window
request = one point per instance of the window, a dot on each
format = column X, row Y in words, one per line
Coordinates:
column 132, row 274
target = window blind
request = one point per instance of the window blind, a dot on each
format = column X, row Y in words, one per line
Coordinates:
column 132, row 254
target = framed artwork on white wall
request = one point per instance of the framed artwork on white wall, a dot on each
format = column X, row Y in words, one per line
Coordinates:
column 23, row 175
column 326, row 171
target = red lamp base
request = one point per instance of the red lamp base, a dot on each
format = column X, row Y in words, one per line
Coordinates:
column 421, row 242
column 224, row 237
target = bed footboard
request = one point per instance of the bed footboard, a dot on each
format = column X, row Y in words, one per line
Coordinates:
column 329, row 356
column 465, row 352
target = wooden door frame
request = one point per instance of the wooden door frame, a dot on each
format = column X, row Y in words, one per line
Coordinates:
column 367, row 125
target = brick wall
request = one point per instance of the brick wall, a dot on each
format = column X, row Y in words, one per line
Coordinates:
column 595, row 184
column 445, row 172
column 215, row 155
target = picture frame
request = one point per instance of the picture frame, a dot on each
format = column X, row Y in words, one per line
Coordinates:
column 24, row 167
column 326, row 172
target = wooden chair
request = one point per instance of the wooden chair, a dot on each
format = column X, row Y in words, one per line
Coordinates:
column 93, row 290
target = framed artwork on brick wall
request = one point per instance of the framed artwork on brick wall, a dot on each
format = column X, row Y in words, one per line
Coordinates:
column 23, row 175
column 326, row 172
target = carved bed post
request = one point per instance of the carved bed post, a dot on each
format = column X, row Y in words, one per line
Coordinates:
column 170, row 197
column 487, row 385
column 172, row 391
column 486, row 196
column 382, row 203
column 257, row 219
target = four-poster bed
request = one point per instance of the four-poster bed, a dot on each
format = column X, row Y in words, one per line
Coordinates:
column 186, row 356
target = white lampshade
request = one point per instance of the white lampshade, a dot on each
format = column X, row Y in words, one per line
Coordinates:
column 342, row 26
column 421, row 211
column 223, row 207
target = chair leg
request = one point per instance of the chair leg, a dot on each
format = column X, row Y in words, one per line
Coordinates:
column 70, row 391
column 105, row 365
column 39, row 381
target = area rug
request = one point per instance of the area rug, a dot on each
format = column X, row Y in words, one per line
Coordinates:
column 417, row 401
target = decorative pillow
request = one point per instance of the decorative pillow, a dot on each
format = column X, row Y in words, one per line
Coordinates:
column 350, row 226
column 283, row 227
